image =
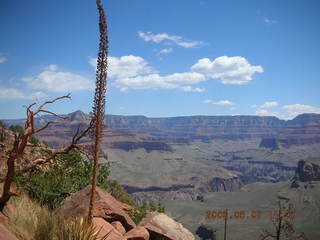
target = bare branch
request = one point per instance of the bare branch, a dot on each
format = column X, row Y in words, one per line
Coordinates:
column 21, row 142
column 45, row 126
column 29, row 108
column 51, row 101
column 54, row 114
column 73, row 145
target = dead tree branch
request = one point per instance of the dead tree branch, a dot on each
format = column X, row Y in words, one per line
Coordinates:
column 21, row 142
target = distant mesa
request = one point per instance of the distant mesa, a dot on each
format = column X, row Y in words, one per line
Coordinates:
column 78, row 116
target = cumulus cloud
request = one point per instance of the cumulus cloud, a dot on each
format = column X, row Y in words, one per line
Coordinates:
column 12, row 93
column 230, row 70
column 161, row 37
column 134, row 72
column 296, row 109
column 125, row 66
column 51, row 79
column 156, row 81
column 269, row 104
column 221, row 102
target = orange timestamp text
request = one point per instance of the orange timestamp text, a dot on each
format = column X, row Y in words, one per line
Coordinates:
column 249, row 214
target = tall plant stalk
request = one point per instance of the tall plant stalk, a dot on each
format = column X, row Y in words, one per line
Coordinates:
column 99, row 101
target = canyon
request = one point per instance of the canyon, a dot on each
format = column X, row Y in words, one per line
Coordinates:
column 192, row 164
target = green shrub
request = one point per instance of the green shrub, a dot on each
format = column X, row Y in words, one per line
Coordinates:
column 69, row 173
column 138, row 213
column 116, row 190
column 33, row 140
column 17, row 129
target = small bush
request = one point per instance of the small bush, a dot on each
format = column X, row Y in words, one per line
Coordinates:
column 116, row 190
column 17, row 129
column 69, row 173
column 33, row 140
column 138, row 213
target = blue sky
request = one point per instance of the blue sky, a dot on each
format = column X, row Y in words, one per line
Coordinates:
column 167, row 58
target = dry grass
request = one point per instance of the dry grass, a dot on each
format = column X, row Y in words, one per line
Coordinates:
column 79, row 230
column 31, row 221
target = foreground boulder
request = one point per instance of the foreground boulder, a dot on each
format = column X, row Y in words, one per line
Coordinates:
column 138, row 233
column 160, row 226
column 106, row 228
column 106, row 207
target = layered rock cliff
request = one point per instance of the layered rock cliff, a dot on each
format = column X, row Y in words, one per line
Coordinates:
column 304, row 129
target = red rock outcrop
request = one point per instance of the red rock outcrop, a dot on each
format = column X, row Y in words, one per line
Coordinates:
column 106, row 228
column 106, row 207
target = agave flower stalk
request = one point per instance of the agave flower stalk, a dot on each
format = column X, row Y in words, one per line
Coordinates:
column 99, row 101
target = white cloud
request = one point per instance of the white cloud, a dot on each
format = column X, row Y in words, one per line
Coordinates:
column 291, row 111
column 296, row 109
column 221, row 102
column 160, row 37
column 134, row 72
column 230, row 70
column 166, row 51
column 191, row 89
column 269, row 104
column 125, row 66
column 52, row 80
column 3, row 59
column 270, row 21
column 155, row 81
column 264, row 112
column 12, row 93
